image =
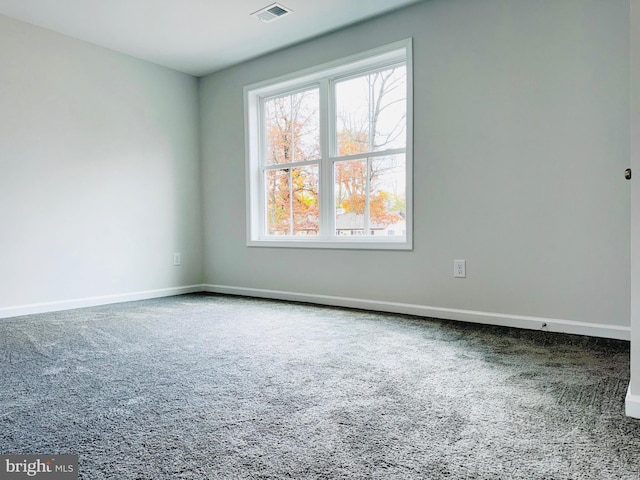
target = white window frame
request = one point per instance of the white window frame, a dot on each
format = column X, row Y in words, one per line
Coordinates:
column 323, row 76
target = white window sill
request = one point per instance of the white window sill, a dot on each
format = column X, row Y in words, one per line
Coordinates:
column 334, row 243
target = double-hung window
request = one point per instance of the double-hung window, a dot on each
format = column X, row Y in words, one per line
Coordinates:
column 329, row 158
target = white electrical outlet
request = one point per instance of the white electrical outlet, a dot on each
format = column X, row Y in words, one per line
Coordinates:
column 460, row 268
column 176, row 259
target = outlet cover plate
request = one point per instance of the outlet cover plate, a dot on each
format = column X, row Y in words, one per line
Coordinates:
column 460, row 268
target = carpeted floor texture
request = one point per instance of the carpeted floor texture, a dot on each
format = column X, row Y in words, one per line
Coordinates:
column 218, row 387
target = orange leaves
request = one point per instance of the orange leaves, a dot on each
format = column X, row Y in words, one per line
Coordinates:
column 292, row 201
column 352, row 190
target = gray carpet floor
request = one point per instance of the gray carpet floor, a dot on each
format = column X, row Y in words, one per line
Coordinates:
column 218, row 387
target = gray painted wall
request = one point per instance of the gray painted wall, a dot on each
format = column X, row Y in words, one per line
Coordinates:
column 100, row 171
column 521, row 140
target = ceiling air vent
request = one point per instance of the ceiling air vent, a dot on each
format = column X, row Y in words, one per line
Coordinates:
column 272, row 12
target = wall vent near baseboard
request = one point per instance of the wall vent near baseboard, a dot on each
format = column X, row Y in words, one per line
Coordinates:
column 272, row 12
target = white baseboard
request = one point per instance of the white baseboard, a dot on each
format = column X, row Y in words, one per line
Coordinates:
column 56, row 306
column 507, row 320
column 632, row 404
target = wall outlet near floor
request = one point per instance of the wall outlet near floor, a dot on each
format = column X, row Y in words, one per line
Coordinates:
column 176, row 259
column 460, row 268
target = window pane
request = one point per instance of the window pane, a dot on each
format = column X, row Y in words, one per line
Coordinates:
column 292, row 128
column 376, row 207
column 351, row 195
column 278, row 214
column 306, row 121
column 292, row 201
column 352, row 116
column 371, row 112
column 388, row 196
column 306, row 213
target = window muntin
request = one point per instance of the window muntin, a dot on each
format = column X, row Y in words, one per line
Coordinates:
column 329, row 155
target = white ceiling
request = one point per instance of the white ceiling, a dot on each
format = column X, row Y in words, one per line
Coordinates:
column 193, row 36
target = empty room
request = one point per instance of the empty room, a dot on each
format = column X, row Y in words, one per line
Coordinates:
column 348, row 239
